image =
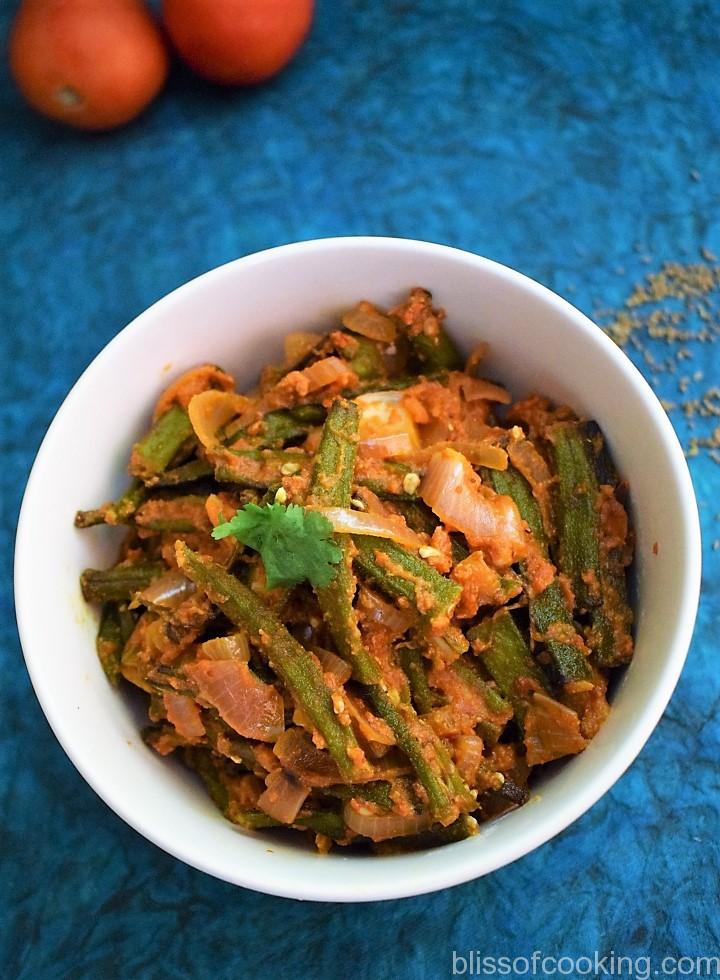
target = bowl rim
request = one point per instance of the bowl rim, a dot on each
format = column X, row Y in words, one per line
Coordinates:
column 394, row 886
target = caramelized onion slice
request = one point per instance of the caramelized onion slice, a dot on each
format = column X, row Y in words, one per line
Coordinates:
column 283, row 797
column 166, row 592
column 369, row 322
column 251, row 707
column 232, row 647
column 298, row 345
column 332, row 664
column 210, row 412
column 384, row 826
column 392, row 526
column 489, row 521
column 374, row 609
column 478, row 453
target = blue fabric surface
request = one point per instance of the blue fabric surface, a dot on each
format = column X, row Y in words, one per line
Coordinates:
column 576, row 141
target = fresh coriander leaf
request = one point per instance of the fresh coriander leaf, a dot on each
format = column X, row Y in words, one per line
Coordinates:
column 295, row 544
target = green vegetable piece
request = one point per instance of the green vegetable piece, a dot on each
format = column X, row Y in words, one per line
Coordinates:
column 195, row 469
column 367, row 362
column 332, row 477
column 118, row 583
column 331, row 487
column 503, row 650
column 401, row 573
column 154, row 453
column 208, row 769
column 109, row 642
column 296, row 667
column 258, row 469
column 578, row 518
column 119, row 511
column 412, row 663
column 183, row 514
column 377, row 792
column 549, row 611
column 295, row 544
column 437, row 353
column 598, row 580
column 327, row 822
column 496, row 704
column 284, row 424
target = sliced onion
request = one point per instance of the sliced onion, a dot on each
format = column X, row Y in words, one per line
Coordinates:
column 367, row 725
column 476, row 356
column 386, row 826
column 387, row 427
column 211, row 411
column 194, row 381
column 525, row 458
column 184, row 714
column 377, row 610
column 489, row 521
column 552, row 730
column 298, row 345
column 478, row 453
column 385, row 447
column 232, row 647
column 390, row 526
column 373, row 397
column 214, row 509
column 297, row 753
column 283, row 797
column 369, row 322
column 468, row 752
column 251, row 707
column 166, row 592
column 332, row 664
column 477, row 389
column 324, row 372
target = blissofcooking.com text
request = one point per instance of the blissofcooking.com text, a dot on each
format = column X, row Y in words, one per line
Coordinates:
column 475, row 963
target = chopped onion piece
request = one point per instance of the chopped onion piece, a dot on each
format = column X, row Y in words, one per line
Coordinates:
column 525, row 458
column 198, row 379
column 391, row 526
column 385, row 447
column 283, row 797
column 297, row 752
column 373, row 397
column 488, row 520
column 477, row 453
column 254, row 709
column 468, row 752
column 377, row 827
column 232, row 647
column 211, row 411
column 324, row 372
column 368, row 726
column 166, row 592
column 477, row 389
column 377, row 610
column 298, row 345
column 476, row 356
column 368, row 322
column 332, row 664
column 387, row 427
column 184, row 714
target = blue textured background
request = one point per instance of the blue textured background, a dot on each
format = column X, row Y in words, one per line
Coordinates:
column 576, row 140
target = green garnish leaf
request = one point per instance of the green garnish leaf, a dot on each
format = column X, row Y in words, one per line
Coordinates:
column 295, row 544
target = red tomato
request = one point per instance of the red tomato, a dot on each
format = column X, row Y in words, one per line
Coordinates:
column 237, row 42
column 94, row 64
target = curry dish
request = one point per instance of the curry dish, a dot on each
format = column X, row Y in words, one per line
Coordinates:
column 369, row 597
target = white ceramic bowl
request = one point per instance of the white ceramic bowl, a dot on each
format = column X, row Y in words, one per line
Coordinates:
column 236, row 316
